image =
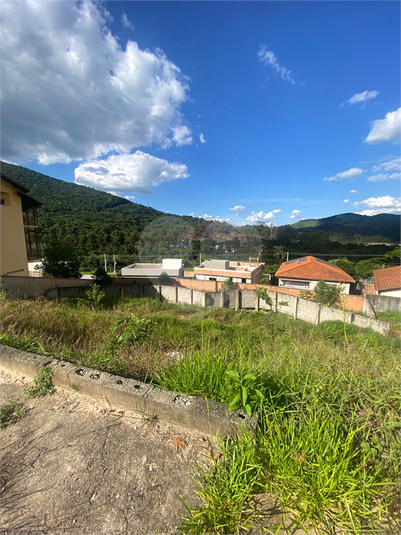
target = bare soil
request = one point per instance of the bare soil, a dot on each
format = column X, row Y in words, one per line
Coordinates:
column 73, row 465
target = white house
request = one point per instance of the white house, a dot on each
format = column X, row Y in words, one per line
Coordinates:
column 387, row 281
column 304, row 273
column 174, row 267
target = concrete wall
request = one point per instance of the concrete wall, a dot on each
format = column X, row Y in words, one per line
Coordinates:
column 383, row 303
column 37, row 286
column 13, row 257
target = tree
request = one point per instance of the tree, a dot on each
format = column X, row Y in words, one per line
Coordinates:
column 164, row 278
column 364, row 268
column 60, row 259
column 228, row 285
column 101, row 276
column 326, row 294
column 344, row 264
column 280, row 253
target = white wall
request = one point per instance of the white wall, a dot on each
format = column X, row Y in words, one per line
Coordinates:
column 390, row 293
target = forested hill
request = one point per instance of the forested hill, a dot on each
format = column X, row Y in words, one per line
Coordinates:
column 97, row 221
column 381, row 225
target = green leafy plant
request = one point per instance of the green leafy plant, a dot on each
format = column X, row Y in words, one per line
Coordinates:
column 326, row 294
column 128, row 331
column 228, row 285
column 95, row 295
column 60, row 259
column 164, row 278
column 11, row 413
column 262, row 293
column 101, row 276
column 242, row 391
column 42, row 384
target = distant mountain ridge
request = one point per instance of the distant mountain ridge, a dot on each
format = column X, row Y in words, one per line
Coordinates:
column 99, row 222
column 384, row 225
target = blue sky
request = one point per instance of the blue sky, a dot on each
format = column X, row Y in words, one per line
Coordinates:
column 243, row 111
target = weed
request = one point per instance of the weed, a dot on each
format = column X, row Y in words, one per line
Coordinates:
column 242, row 392
column 95, row 296
column 42, row 384
column 11, row 413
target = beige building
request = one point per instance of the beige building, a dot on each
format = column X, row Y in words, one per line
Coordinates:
column 223, row 270
column 19, row 229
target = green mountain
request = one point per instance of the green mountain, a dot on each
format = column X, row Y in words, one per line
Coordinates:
column 96, row 221
column 381, row 226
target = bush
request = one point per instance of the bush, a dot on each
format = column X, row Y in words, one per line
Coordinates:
column 60, row 259
column 164, row 278
column 228, row 285
column 326, row 294
column 101, row 276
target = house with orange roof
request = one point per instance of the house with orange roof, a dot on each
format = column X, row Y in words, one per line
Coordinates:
column 387, row 281
column 304, row 273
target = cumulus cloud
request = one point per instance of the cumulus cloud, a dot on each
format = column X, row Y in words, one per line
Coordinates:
column 295, row 214
column 387, row 129
column 381, row 205
column 351, row 173
column 389, row 169
column 359, row 98
column 202, row 138
column 238, row 209
column 70, row 91
column 346, row 200
column 138, row 172
column 353, row 191
column 267, row 57
column 209, row 217
column 261, row 217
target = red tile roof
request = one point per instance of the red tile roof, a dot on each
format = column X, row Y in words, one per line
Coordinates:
column 387, row 278
column 311, row 268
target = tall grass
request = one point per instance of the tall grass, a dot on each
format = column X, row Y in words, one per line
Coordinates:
column 325, row 453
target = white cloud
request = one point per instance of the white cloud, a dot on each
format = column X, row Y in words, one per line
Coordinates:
column 346, row 200
column 393, row 164
column 295, row 214
column 380, row 177
column 381, row 205
column 261, row 217
column 138, row 172
column 238, row 209
column 126, row 22
column 70, row 91
column 387, row 129
column 209, row 217
column 131, row 198
column 353, row 191
column 361, row 97
column 192, row 214
column 351, row 173
column 182, row 135
column 202, row 138
column 267, row 57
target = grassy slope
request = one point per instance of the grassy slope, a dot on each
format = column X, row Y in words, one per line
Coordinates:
column 326, row 446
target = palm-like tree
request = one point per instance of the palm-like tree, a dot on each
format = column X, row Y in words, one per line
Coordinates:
column 280, row 253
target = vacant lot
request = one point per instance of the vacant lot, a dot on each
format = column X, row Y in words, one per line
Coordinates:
column 326, row 448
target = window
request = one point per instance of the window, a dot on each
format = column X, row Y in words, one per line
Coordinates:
column 294, row 283
column 5, row 199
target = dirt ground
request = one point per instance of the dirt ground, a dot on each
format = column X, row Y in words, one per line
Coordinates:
column 73, row 465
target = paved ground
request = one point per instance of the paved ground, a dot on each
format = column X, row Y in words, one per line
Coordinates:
column 78, row 467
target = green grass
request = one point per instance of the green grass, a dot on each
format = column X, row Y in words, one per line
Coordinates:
column 11, row 414
column 326, row 449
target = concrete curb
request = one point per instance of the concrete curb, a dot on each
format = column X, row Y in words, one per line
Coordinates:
column 198, row 414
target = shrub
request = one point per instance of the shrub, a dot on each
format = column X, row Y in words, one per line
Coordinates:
column 164, row 278
column 228, row 285
column 101, row 276
column 326, row 294
column 60, row 259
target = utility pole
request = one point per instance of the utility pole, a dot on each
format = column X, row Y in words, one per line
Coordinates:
column 200, row 258
column 105, row 263
column 288, row 256
column 114, row 262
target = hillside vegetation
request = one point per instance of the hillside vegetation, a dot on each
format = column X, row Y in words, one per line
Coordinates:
column 326, row 448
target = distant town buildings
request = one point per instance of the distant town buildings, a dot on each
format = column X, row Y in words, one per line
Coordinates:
column 304, row 273
column 222, row 270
